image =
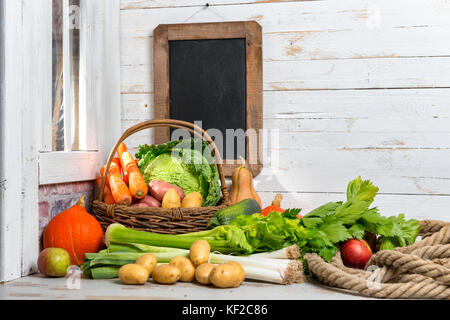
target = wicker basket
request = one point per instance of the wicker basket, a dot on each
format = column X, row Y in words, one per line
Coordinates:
column 156, row 219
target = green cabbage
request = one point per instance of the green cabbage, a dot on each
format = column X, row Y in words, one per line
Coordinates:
column 186, row 163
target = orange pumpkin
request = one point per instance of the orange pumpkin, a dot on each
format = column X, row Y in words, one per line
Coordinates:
column 74, row 230
column 275, row 206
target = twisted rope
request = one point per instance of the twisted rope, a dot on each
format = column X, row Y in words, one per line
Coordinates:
column 428, row 227
column 421, row 270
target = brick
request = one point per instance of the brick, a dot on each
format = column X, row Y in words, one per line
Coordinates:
column 65, row 188
column 50, row 189
column 42, row 192
column 43, row 214
column 84, row 186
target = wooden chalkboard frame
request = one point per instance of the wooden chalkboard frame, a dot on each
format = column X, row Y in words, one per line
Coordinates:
column 251, row 31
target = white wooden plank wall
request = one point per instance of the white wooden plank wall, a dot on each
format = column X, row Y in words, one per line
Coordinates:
column 355, row 87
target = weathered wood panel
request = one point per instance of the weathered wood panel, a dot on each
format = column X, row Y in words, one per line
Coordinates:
column 426, row 72
column 355, row 87
column 25, row 58
column 136, row 79
column 137, row 106
column 423, row 41
column 149, row 4
column 401, row 115
column 402, row 171
column 357, row 73
column 406, row 104
column 334, row 104
column 297, row 16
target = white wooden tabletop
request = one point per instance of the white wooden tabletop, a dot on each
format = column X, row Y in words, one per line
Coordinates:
column 38, row 287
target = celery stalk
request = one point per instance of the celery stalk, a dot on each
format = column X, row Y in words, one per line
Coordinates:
column 118, row 233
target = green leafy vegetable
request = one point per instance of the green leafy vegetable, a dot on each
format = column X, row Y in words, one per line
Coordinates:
column 335, row 222
column 186, row 163
column 357, row 231
column 291, row 213
column 256, row 233
column 334, row 229
column 315, row 216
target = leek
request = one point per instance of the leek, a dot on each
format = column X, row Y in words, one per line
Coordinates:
column 106, row 272
column 291, row 252
column 282, row 271
column 121, row 258
column 137, row 247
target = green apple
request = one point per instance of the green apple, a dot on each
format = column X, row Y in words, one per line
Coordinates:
column 54, row 262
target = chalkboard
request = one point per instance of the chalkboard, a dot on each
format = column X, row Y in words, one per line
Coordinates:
column 208, row 84
column 212, row 72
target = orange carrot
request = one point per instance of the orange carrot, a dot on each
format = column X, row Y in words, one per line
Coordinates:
column 119, row 189
column 136, row 182
column 121, row 169
column 107, row 195
column 120, row 150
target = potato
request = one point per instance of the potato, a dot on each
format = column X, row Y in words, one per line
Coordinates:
column 148, row 261
column 150, row 201
column 199, row 252
column 158, row 189
column 166, row 274
column 192, row 200
column 133, row 274
column 171, row 199
column 186, row 267
column 227, row 275
column 203, row 271
column 239, row 269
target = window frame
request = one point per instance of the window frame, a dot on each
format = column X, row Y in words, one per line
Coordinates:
column 95, row 132
column 26, row 160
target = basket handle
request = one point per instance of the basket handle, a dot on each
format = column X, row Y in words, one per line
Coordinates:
column 194, row 129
